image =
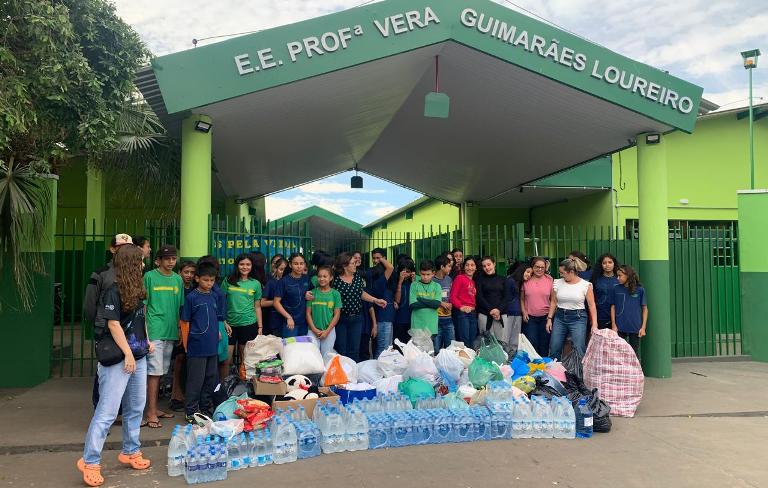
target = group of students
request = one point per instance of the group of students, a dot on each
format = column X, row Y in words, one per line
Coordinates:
column 180, row 312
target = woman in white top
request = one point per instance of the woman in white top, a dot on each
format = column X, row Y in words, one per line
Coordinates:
column 567, row 314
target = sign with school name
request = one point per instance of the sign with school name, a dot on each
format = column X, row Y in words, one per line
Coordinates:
column 227, row 249
column 282, row 55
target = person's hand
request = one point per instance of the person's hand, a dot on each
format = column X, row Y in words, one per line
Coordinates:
column 525, row 316
column 594, row 328
column 374, row 330
column 152, row 347
column 396, row 306
column 228, row 328
column 289, row 323
column 447, row 306
column 641, row 333
column 495, row 314
column 403, row 275
column 380, row 302
column 130, row 364
column 614, row 328
column 309, row 296
column 465, row 309
column 549, row 325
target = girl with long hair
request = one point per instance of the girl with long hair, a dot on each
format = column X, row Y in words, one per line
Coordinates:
column 244, row 320
column 629, row 310
column 123, row 382
column 493, row 304
column 290, row 300
column 603, row 280
column 463, row 293
column 268, row 312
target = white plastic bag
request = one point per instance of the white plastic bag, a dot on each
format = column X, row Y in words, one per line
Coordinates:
column 525, row 345
column 410, row 350
column 301, row 356
column 369, row 372
column 391, row 362
column 465, row 354
column 227, row 429
column 422, row 367
column 448, row 363
column 389, row 384
column 422, row 339
column 467, row 391
column 258, row 350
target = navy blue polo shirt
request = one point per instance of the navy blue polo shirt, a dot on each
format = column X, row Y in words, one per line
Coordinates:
column 629, row 308
column 603, row 289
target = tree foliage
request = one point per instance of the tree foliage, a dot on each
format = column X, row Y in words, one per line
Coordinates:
column 66, row 71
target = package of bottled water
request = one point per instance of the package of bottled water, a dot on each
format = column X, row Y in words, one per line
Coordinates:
column 564, row 418
column 285, row 442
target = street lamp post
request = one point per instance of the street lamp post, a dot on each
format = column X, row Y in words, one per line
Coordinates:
column 750, row 63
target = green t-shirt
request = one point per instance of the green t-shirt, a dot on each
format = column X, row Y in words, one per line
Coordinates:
column 165, row 297
column 240, row 301
column 424, row 318
column 323, row 306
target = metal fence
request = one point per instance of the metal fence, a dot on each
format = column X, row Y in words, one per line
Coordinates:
column 82, row 247
column 704, row 268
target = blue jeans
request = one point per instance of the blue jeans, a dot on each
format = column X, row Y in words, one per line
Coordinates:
column 466, row 327
column 384, row 331
column 535, row 331
column 445, row 333
column 348, row 333
column 573, row 322
column 116, row 388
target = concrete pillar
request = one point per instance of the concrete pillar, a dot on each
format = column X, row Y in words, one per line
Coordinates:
column 95, row 204
column 195, row 188
column 244, row 216
column 30, row 366
column 654, row 255
column 753, row 269
column 470, row 227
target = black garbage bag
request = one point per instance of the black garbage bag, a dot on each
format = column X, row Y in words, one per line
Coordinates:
column 543, row 388
column 572, row 362
column 231, row 386
column 601, row 419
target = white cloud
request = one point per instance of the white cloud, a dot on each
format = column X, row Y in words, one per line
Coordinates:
column 278, row 206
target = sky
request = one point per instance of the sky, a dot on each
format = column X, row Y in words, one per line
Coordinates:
column 697, row 40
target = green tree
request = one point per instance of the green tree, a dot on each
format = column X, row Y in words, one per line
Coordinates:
column 66, row 78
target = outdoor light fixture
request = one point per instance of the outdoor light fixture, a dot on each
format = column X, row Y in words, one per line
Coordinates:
column 653, row 138
column 750, row 63
column 357, row 180
column 437, row 105
column 203, row 126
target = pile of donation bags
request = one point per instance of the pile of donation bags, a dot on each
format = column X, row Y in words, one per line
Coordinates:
column 407, row 396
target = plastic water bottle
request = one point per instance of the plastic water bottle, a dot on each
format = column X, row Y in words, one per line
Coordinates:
column 583, row 420
column 269, row 447
column 285, row 443
column 190, row 471
column 177, row 450
column 233, row 455
column 570, row 419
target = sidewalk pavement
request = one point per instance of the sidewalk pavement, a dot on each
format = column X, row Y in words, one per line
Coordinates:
column 706, row 426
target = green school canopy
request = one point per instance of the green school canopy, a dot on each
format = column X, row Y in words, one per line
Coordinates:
column 302, row 101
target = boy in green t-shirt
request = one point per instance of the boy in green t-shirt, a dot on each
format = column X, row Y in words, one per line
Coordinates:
column 324, row 310
column 244, row 321
column 165, row 297
column 424, row 300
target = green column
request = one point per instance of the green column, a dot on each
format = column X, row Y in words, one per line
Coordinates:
column 753, row 269
column 195, row 187
column 25, row 351
column 244, row 216
column 94, row 248
column 654, row 255
column 471, row 227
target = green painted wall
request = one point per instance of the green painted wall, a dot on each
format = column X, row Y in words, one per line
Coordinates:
column 706, row 168
column 591, row 210
column 754, row 272
column 503, row 216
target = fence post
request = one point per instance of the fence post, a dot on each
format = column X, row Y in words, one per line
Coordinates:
column 520, row 241
column 753, row 267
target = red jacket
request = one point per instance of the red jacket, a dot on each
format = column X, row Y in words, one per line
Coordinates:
column 463, row 292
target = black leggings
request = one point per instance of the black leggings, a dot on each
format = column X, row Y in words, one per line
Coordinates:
column 202, row 373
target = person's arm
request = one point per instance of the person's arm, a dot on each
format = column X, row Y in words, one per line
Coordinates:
column 335, row 319
column 413, row 298
column 552, row 310
column 311, row 323
column 642, row 331
column 366, row 297
column 388, row 268
column 374, row 324
column 434, row 303
column 91, row 298
column 267, row 299
column 592, row 308
column 614, row 327
column 522, row 304
column 506, row 298
column 282, row 311
column 399, row 289
column 119, row 336
column 482, row 303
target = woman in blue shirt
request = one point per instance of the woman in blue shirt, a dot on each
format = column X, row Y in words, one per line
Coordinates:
column 603, row 280
column 272, row 319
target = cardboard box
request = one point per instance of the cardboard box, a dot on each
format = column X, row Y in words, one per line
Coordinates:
column 269, row 389
column 309, row 404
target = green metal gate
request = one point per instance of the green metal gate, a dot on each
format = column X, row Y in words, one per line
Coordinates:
column 81, row 248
